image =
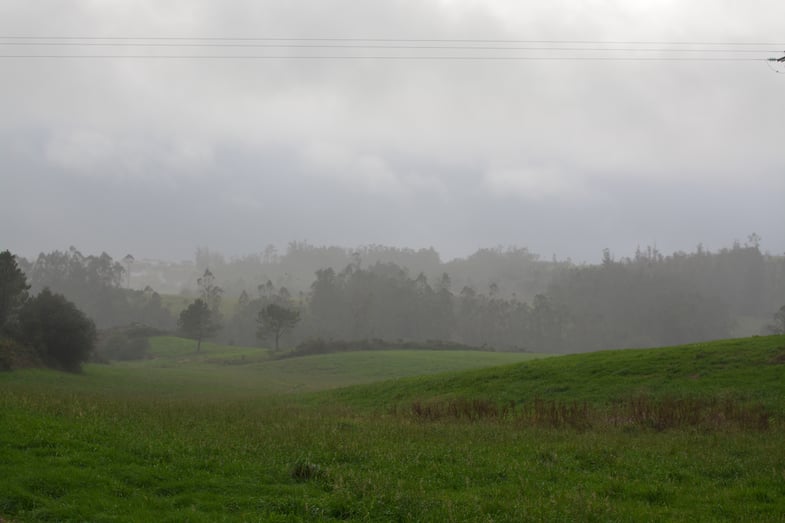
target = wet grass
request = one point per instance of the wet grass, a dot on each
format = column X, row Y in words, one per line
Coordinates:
column 109, row 452
column 745, row 370
column 642, row 412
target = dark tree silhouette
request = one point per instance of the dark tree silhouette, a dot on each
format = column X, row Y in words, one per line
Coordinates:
column 61, row 334
column 13, row 288
column 197, row 322
column 274, row 320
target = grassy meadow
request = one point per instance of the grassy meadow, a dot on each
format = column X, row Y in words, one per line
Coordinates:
column 693, row 433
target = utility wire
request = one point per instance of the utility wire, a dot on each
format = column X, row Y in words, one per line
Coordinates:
column 387, row 40
column 378, row 46
column 547, row 50
column 391, row 57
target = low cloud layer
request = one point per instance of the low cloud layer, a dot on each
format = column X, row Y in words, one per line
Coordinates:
column 156, row 157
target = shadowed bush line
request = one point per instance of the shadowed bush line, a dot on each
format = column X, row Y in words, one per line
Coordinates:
column 321, row 346
column 643, row 412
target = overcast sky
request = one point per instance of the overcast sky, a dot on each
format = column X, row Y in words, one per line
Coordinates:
column 155, row 157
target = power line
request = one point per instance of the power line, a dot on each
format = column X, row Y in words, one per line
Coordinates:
column 483, row 49
column 385, row 46
column 391, row 57
column 387, row 40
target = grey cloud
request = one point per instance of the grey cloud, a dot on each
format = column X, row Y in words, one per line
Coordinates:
column 567, row 158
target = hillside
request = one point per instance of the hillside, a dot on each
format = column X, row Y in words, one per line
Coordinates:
column 174, row 369
column 747, row 369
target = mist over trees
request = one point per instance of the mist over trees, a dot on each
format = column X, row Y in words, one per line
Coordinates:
column 778, row 325
column 502, row 298
column 197, row 322
column 202, row 319
column 275, row 321
column 525, row 303
column 95, row 284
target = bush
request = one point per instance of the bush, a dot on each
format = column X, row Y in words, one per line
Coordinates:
column 119, row 346
column 60, row 333
column 125, row 343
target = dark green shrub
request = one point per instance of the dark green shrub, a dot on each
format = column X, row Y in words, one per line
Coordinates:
column 121, row 347
column 61, row 334
column 321, row 346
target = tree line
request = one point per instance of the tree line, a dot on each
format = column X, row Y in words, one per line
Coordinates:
column 96, row 284
column 505, row 299
column 649, row 299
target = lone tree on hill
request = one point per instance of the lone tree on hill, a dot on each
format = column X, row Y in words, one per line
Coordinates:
column 275, row 320
column 197, row 322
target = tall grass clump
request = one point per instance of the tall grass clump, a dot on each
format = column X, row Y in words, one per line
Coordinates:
column 673, row 413
column 644, row 412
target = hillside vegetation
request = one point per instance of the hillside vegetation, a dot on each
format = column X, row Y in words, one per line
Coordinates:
column 508, row 299
column 185, row 437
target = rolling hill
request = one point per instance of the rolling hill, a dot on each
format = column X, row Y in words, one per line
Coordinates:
column 749, row 369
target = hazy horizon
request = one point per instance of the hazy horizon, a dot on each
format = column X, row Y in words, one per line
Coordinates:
column 594, row 258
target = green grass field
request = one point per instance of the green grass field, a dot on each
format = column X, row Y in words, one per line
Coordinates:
column 746, row 369
column 175, row 368
column 220, row 436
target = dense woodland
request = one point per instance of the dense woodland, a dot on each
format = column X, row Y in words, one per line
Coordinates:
column 502, row 299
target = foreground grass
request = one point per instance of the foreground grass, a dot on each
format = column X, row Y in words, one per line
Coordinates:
column 77, row 459
column 71, row 452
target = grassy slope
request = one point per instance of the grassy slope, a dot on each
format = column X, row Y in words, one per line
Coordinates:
column 118, row 451
column 253, row 370
column 748, row 369
column 177, row 371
